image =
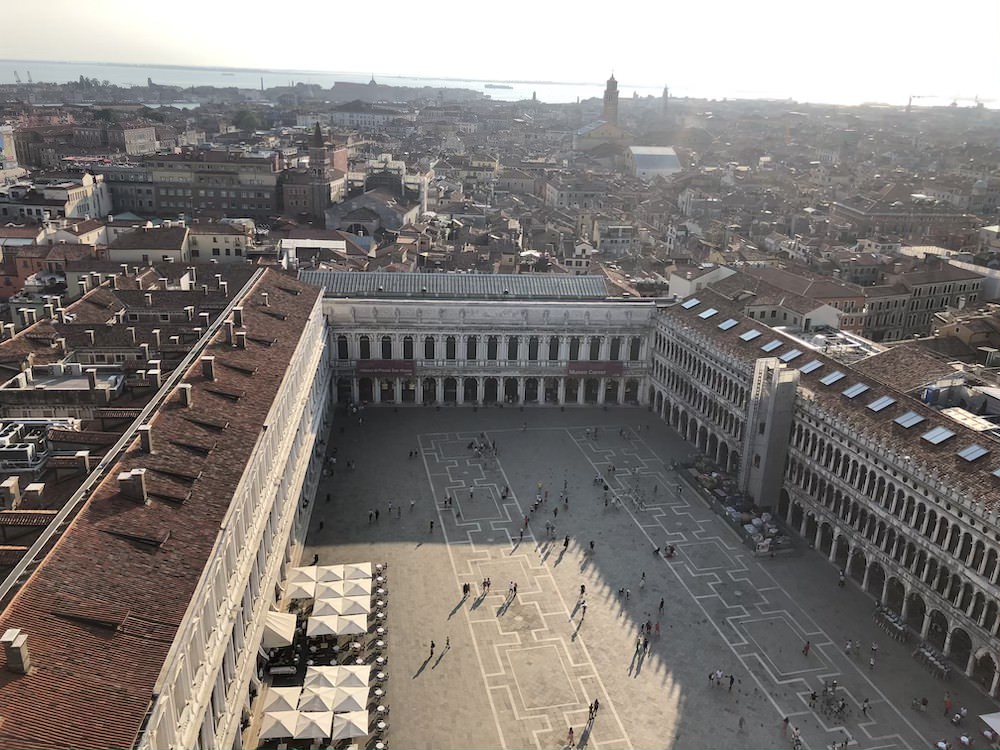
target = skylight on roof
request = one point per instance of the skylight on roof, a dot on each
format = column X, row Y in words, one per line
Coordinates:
column 882, row 403
column 789, row 356
column 750, row 335
column 809, row 367
column 997, row 473
column 727, row 324
column 770, row 346
column 855, row 390
column 693, row 302
column 708, row 313
column 973, row 452
column 938, row 435
column 832, row 378
column 909, row 419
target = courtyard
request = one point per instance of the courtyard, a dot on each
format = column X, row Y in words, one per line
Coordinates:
column 520, row 671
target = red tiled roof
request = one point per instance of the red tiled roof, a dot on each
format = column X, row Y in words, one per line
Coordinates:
column 102, row 609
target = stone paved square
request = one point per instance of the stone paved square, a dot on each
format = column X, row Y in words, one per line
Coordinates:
column 519, row 673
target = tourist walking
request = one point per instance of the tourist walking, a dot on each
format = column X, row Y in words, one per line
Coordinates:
column 805, row 649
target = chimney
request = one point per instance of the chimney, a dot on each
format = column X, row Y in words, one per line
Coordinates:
column 132, row 484
column 23, row 312
column 149, row 299
column 92, row 378
column 9, row 329
column 82, row 283
column 224, row 287
column 125, row 269
column 33, row 492
column 90, row 335
column 10, row 494
column 189, row 310
column 146, row 438
column 155, row 376
column 114, row 281
column 267, row 300
column 135, row 270
column 241, row 339
column 197, row 330
column 229, row 332
column 208, row 367
column 187, row 399
column 15, row 643
column 218, row 281
column 204, row 289
column 238, row 316
column 156, row 337
column 50, row 311
column 131, row 333
column 83, row 461
column 62, row 345
column 205, row 319
column 61, row 314
column 193, row 273
column 163, row 282
column 144, row 348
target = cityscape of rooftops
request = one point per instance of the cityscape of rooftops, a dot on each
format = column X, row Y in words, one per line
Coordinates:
column 506, row 376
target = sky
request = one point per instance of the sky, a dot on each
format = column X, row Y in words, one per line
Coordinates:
column 847, row 50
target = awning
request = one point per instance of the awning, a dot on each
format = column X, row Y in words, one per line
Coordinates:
column 992, row 721
column 313, row 725
column 278, row 725
column 279, row 630
column 349, row 725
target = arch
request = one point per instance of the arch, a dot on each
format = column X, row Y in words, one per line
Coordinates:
column 552, row 390
column 937, row 630
column 876, row 579
column 990, row 618
column 574, row 347
column 634, row 348
column 408, row 391
column 386, row 347
column 631, row 391
column 553, row 348
column 344, row 391
column 366, row 390
column 724, row 456
column 342, row 349
column 364, row 347
column 572, row 388
column 428, row 391
column 702, row 440
column 783, row 503
column 510, row 394
column 470, row 390
column 796, row 515
column 595, row 348
column 611, row 391
column 450, row 347
column 451, row 390
column 616, row 349
column 531, row 391
column 591, row 387
column 659, row 402
column 472, row 347
column 895, row 592
column 916, row 609
column 429, row 351
column 513, row 348
column 856, row 566
column 491, row 390
column 492, row 347
column 961, row 648
column 407, row 347
column 984, row 669
column 532, row 348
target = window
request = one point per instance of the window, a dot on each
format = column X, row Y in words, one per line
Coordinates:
column 472, row 347
column 881, row 403
column 595, row 349
column 938, row 435
column 770, row 346
column 386, row 347
column 855, row 390
column 533, row 348
column 574, row 348
column 708, row 313
column 449, row 348
column 616, row 349
column 553, row 348
column 832, row 378
column 810, row 367
column 364, row 348
column 408, row 347
column 492, row 346
column 693, row 302
column 973, row 452
column 342, row 352
column 513, row 344
column 727, row 324
column 750, row 335
column 429, row 347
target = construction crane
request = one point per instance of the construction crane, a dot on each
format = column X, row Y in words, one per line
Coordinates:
column 17, row 77
column 974, row 99
column 29, row 77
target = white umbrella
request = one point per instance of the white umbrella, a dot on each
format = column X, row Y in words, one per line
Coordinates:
column 992, row 721
column 313, row 725
column 337, row 589
column 326, row 608
column 300, row 589
column 317, row 698
column 343, row 605
column 350, row 699
column 358, row 570
column 349, row 725
column 282, row 699
column 330, row 573
column 278, row 724
column 318, row 626
column 279, row 630
column 352, row 625
column 321, row 676
column 306, row 573
column 353, row 675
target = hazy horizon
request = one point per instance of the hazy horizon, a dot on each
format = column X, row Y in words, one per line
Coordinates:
column 854, row 52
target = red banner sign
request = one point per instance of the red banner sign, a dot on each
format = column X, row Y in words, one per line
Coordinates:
column 386, row 367
column 595, row 369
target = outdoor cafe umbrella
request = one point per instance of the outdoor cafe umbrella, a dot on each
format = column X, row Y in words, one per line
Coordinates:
column 353, row 675
column 349, row 725
column 321, row 676
column 300, row 589
column 352, row 625
column 317, row 698
column 992, row 721
column 282, row 699
column 330, row 589
column 358, row 570
column 313, row 725
column 279, row 630
column 342, row 606
column 319, row 626
column 330, row 573
column 350, row 699
column 304, row 573
column 278, row 724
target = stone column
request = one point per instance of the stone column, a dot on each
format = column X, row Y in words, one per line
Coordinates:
column 563, row 348
column 971, row 664
column 377, row 390
column 946, row 651
column 605, row 353
column 621, row 392
column 460, row 393
column 601, row 385
column 439, row 390
column 906, row 605
column 581, row 390
column 788, row 513
column 925, row 626
column 398, row 387
column 864, row 582
column 833, row 548
column 355, row 390
column 562, row 400
column 520, row 390
column 993, row 685
column 884, row 599
column 480, row 388
column 818, row 536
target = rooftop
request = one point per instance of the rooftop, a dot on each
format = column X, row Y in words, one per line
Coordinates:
column 457, row 285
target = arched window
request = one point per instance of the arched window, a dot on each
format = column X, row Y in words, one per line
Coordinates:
column 574, row 348
column 449, row 348
column 492, row 344
column 616, row 349
column 386, row 347
column 553, row 348
column 512, row 347
column 365, row 348
column 407, row 347
column 595, row 348
column 429, row 347
column 533, row 348
column 634, row 348
column 472, row 347
column 342, row 352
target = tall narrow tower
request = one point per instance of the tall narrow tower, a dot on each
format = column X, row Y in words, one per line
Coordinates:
column 666, row 100
column 611, row 101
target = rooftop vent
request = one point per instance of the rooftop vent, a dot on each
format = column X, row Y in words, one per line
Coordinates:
column 15, row 643
column 132, row 484
column 208, row 367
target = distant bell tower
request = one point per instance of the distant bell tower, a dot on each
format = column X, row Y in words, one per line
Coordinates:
column 611, row 101
column 666, row 100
